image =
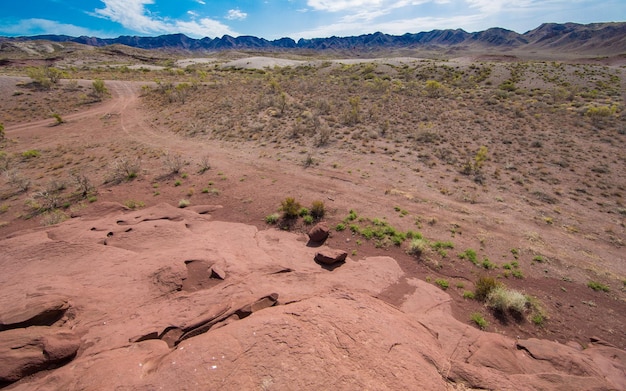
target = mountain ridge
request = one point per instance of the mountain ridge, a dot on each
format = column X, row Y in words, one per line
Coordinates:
column 594, row 38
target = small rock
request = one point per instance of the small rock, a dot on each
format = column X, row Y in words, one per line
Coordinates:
column 330, row 256
column 319, row 233
column 218, row 272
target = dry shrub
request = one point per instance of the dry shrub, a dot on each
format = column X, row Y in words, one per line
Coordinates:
column 504, row 300
column 124, row 169
column 318, row 209
column 484, row 286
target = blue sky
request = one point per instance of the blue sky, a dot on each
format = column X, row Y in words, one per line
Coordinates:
column 274, row 19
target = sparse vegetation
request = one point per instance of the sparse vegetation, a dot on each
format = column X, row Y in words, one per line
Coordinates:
column 99, row 89
column 443, row 283
column 133, row 204
column 205, row 164
column 124, row 169
column 272, row 219
column 31, row 153
column 290, row 208
column 522, row 140
column 317, row 209
column 484, row 286
column 174, row 163
column 418, row 247
column 597, row 286
column 479, row 320
column 505, row 300
column 470, row 255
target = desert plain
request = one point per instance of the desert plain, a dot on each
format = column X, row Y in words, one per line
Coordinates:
column 155, row 206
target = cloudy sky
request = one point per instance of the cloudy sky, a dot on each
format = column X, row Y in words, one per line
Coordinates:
column 274, row 19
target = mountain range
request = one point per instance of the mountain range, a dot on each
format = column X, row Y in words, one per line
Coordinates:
column 595, row 38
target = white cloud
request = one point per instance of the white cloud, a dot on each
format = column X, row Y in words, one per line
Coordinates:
column 133, row 15
column 365, row 5
column 236, row 14
column 495, row 6
column 402, row 16
column 200, row 2
column 342, row 5
column 394, row 27
column 45, row 26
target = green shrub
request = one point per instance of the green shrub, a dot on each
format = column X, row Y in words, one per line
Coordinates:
column 484, row 286
column 601, row 111
column 290, row 208
column 440, row 245
column 433, row 88
column 31, row 153
column 443, row 284
column 351, row 216
column 99, row 89
column 340, row 227
column 303, row 212
column 470, row 255
column 538, row 319
column 539, row 258
column 596, row 286
column 317, row 209
column 479, row 320
column 468, row 295
column 487, row 264
column 272, row 219
column 183, row 203
column 132, row 204
column 507, row 85
column 57, row 117
column 308, row 219
column 413, row 235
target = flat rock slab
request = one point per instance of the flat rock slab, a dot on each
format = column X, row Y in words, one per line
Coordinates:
column 37, row 311
column 32, row 349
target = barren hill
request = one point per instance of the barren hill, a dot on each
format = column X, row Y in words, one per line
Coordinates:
column 591, row 39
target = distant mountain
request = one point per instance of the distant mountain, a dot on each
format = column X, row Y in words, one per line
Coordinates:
column 596, row 38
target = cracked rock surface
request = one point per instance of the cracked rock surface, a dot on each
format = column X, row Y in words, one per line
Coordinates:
column 263, row 315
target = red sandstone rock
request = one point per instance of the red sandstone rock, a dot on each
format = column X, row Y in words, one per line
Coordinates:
column 319, row 233
column 29, row 350
column 330, row 256
column 236, row 334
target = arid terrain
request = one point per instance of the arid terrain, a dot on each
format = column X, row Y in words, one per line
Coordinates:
column 145, row 197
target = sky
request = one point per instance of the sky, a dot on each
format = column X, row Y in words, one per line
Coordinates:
column 273, row 19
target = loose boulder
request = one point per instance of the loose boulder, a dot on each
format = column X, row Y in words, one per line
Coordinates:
column 330, row 256
column 319, row 233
